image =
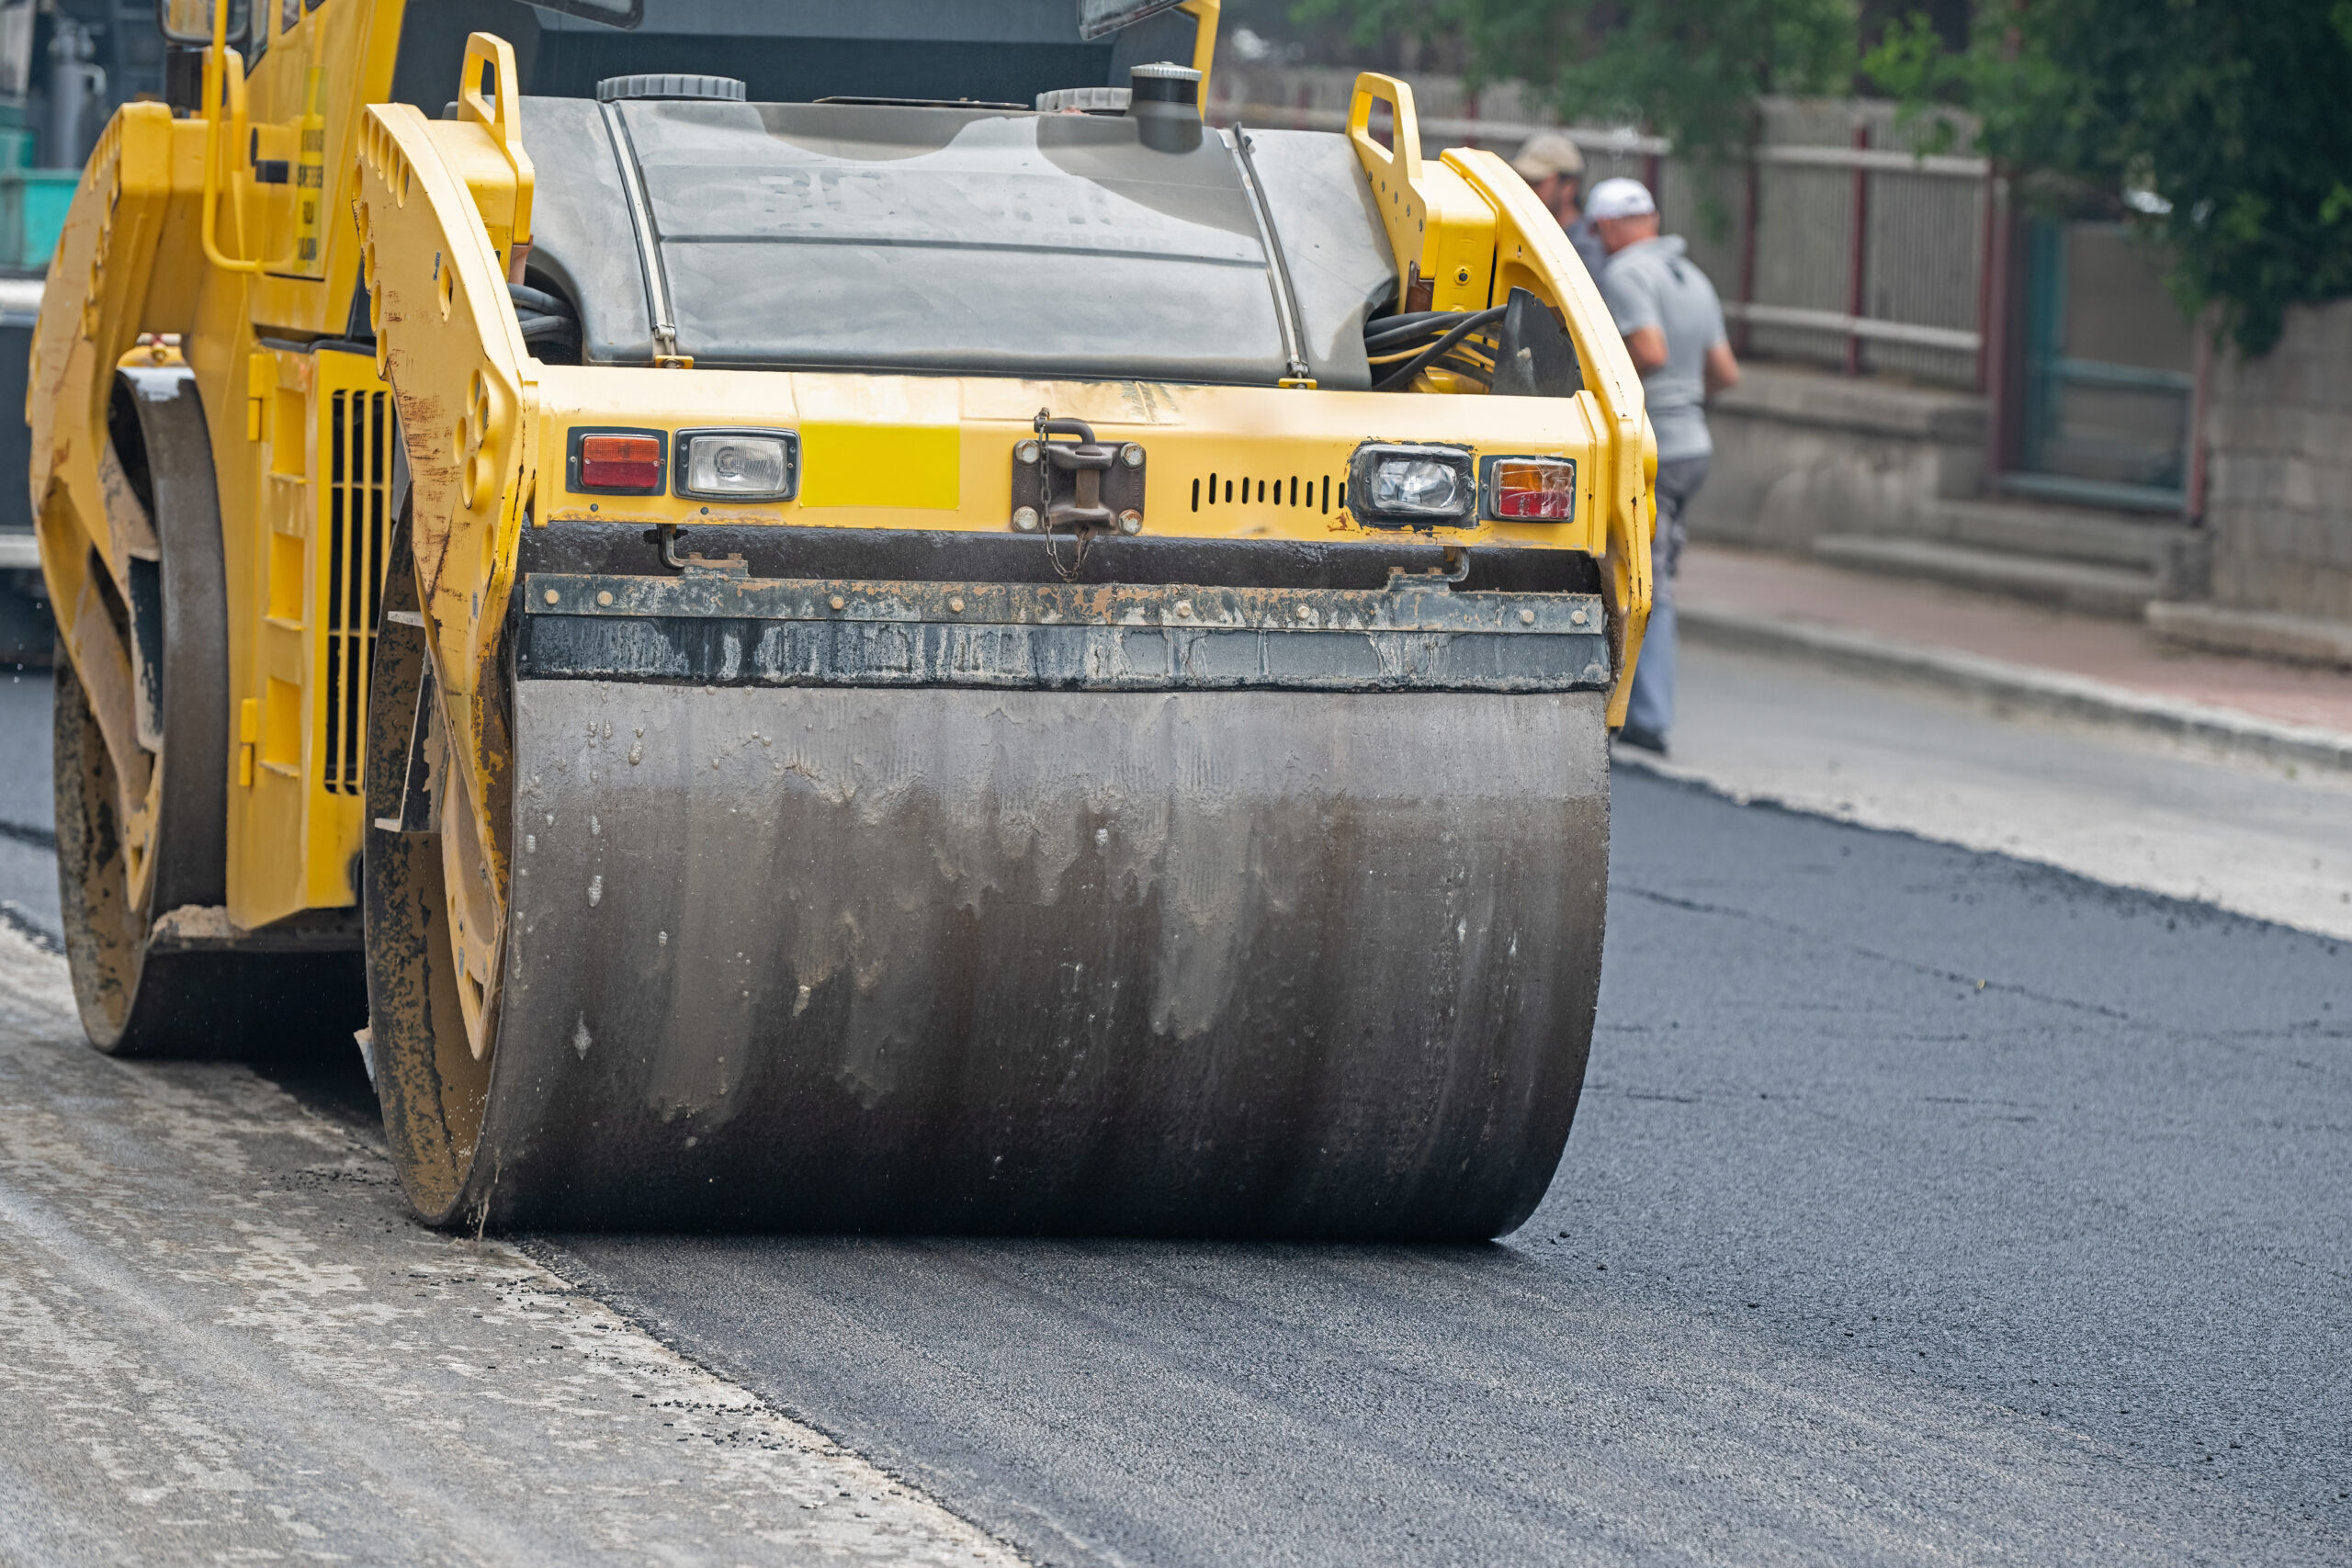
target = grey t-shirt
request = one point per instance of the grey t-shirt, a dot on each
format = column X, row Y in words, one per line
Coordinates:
column 1586, row 240
column 1653, row 284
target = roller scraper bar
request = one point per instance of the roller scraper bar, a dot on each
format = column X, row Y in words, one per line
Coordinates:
column 720, row 627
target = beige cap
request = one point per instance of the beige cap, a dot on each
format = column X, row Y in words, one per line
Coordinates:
column 1547, row 154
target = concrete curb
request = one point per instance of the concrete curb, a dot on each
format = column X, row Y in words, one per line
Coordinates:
column 2042, row 691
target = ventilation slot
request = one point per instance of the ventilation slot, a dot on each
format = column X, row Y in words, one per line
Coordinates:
column 357, row 481
column 1320, row 493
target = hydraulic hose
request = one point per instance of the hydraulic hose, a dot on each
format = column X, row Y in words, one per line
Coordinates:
column 1470, row 322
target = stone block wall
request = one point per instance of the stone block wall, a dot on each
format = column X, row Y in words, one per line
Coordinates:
column 2278, row 487
column 1800, row 453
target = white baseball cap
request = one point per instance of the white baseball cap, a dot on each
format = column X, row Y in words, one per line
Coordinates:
column 1619, row 197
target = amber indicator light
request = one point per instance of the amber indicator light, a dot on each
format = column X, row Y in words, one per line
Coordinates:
column 1533, row 490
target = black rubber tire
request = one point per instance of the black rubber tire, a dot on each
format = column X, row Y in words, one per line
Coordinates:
column 134, row 1003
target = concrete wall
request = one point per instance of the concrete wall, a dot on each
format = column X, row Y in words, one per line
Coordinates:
column 2279, row 494
column 1801, row 453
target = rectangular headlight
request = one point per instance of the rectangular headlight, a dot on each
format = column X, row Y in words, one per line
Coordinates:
column 618, row 462
column 1530, row 490
column 739, row 465
column 1398, row 486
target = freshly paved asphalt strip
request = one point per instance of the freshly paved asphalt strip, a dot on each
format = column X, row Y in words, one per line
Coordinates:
column 222, row 1340
column 1924, row 1206
column 2269, row 840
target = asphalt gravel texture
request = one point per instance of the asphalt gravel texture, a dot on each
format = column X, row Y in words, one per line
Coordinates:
column 1923, row 1205
column 28, row 844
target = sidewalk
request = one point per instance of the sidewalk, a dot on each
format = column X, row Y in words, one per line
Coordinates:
column 2074, row 666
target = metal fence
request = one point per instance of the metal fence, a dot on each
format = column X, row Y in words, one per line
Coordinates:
column 1837, row 243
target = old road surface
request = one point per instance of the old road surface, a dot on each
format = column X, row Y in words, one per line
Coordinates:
column 1925, row 1205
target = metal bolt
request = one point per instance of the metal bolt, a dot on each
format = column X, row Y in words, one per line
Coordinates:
column 1304, row 613
column 1131, row 521
column 1025, row 519
column 552, row 596
column 1025, row 453
column 1575, row 617
column 840, row 603
column 1461, row 274
column 957, row 605
column 1527, row 617
column 1131, row 455
column 605, row 598
column 1184, row 607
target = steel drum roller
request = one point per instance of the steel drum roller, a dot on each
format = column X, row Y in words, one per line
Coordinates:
column 1234, row 962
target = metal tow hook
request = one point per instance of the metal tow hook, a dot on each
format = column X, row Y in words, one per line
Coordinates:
column 725, row 565
column 1078, row 484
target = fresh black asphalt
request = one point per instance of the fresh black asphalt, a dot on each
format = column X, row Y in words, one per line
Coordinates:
column 1922, row 1204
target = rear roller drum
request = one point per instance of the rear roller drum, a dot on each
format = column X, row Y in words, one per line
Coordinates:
column 125, row 857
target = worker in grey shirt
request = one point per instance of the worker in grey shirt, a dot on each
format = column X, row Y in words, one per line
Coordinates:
column 1553, row 169
column 1673, row 326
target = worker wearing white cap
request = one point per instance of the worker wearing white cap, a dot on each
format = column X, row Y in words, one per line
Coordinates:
column 1554, row 169
column 1674, row 330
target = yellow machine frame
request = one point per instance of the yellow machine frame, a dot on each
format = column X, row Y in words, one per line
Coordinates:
column 170, row 235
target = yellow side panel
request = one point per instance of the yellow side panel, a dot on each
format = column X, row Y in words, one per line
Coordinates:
column 297, row 812
column 289, row 585
column 281, row 728
column 881, row 465
column 351, row 436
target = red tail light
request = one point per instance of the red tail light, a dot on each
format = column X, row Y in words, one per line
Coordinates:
column 620, row 463
column 1533, row 490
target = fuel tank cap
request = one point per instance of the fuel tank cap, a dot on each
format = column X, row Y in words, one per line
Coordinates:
column 618, row 89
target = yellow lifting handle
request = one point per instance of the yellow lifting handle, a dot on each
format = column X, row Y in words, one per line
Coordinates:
column 501, row 114
column 1204, row 14
column 1404, row 159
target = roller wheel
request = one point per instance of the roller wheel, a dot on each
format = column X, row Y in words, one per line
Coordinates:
column 429, row 1084
column 135, row 1001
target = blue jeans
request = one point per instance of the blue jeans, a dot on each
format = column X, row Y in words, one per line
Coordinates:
column 1652, row 706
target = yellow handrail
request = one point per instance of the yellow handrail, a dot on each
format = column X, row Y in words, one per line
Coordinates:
column 216, row 67
column 224, row 77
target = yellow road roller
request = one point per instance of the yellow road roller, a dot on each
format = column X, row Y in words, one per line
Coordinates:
column 807, row 626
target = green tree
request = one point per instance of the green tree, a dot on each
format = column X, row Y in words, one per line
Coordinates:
column 1689, row 70
column 2230, row 113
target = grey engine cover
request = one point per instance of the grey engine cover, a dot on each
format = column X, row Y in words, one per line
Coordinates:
column 855, row 237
